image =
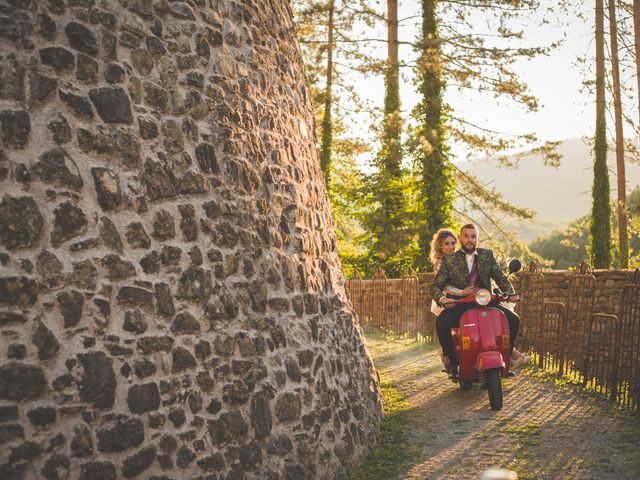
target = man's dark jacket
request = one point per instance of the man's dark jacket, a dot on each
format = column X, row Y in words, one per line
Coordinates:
column 455, row 272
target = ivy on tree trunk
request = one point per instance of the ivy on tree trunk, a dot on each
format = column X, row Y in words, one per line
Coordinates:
column 623, row 233
column 327, row 126
column 438, row 184
column 601, row 212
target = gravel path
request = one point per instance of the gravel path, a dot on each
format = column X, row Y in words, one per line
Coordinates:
column 542, row 432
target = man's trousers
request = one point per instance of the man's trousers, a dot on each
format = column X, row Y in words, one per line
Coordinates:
column 450, row 318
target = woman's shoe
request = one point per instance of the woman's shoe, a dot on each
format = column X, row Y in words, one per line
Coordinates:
column 520, row 362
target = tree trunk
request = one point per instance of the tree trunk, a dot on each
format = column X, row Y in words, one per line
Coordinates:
column 623, row 236
column 636, row 32
column 601, row 212
column 385, row 222
column 392, row 94
column 438, row 183
column 327, row 126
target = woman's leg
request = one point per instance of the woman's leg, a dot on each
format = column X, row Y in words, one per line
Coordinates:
column 518, row 359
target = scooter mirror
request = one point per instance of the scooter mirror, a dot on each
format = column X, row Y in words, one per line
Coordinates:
column 515, row 265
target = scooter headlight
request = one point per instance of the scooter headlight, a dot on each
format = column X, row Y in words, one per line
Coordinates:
column 483, row 297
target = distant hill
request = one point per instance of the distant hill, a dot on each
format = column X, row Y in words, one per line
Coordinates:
column 558, row 195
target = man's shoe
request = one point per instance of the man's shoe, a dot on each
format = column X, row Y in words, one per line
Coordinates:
column 454, row 372
column 445, row 363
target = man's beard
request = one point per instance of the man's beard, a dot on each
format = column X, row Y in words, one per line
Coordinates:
column 467, row 249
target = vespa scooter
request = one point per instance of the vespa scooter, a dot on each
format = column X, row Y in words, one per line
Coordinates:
column 482, row 342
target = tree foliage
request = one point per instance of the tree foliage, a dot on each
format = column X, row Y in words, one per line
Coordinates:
column 388, row 238
column 564, row 249
column 387, row 216
column 334, row 109
column 567, row 248
column 480, row 48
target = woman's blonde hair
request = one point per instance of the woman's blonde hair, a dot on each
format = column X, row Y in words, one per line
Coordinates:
column 436, row 244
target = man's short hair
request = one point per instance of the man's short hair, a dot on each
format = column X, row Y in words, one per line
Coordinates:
column 470, row 226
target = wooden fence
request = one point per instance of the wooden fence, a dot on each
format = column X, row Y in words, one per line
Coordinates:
column 598, row 350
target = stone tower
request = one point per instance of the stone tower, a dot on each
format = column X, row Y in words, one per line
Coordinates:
column 171, row 299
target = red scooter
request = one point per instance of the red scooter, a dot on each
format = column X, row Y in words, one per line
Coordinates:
column 482, row 343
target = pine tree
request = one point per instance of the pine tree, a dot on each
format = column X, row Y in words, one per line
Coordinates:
column 406, row 204
column 438, row 185
column 326, row 128
column 387, row 238
column 323, row 28
column 623, row 231
column 329, row 58
column 636, row 41
column 600, row 226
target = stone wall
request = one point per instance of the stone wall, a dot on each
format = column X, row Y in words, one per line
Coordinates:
column 171, row 299
column 609, row 286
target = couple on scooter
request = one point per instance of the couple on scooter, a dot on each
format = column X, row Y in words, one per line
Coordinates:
column 463, row 273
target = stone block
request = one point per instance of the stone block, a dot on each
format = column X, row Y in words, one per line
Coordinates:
column 81, row 38
column 112, row 104
column 20, row 222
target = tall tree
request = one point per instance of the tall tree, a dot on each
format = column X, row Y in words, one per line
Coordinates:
column 623, row 234
column 438, row 184
column 323, row 28
column 326, row 129
column 339, row 143
column 600, row 225
column 636, row 36
column 387, row 237
column 392, row 120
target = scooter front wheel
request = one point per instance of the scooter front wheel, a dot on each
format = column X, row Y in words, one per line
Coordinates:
column 494, row 388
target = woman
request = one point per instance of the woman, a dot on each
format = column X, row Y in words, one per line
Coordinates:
column 443, row 243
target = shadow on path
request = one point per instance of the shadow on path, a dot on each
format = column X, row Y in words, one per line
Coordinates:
column 542, row 432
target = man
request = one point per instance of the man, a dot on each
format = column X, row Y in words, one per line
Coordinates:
column 469, row 267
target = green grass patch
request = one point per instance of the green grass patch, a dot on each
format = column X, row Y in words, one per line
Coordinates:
column 503, row 421
column 526, row 429
column 390, row 451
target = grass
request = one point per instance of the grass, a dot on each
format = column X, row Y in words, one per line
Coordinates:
column 390, row 451
column 527, row 429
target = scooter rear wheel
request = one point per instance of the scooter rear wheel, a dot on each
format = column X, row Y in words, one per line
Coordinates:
column 494, row 388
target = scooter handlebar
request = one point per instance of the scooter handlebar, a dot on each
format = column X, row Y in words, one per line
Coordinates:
column 497, row 295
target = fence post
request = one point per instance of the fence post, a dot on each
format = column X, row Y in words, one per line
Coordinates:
column 531, row 307
column 409, row 310
column 628, row 366
column 379, row 298
column 354, row 291
column 579, row 312
column 616, row 362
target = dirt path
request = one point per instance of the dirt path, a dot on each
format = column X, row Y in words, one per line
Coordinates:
column 542, row 432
